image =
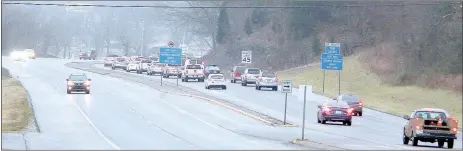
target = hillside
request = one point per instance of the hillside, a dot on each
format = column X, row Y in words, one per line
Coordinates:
column 407, row 43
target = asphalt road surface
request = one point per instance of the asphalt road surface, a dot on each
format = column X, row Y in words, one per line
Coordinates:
column 374, row 130
column 122, row 114
column 126, row 115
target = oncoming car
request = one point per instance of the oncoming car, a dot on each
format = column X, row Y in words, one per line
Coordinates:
column 215, row 81
column 430, row 125
column 78, row 83
column 30, row 53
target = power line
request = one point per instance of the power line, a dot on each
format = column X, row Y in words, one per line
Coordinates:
column 158, row 6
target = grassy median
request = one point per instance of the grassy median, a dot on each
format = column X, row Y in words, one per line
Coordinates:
column 356, row 79
column 16, row 112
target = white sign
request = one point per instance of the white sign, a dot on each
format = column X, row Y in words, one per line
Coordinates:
column 287, row 86
column 246, row 56
column 308, row 93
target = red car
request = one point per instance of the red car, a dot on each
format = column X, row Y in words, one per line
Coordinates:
column 236, row 73
column 335, row 111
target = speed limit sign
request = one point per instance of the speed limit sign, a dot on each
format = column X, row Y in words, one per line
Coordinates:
column 246, row 56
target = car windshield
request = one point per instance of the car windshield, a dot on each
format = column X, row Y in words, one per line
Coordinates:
column 268, row 75
column 340, row 104
column 213, row 68
column 350, row 98
column 78, row 78
column 193, row 66
column 240, row 69
column 217, row 77
column 430, row 115
column 253, row 71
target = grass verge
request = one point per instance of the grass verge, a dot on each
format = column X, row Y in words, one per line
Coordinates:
column 356, row 79
column 16, row 112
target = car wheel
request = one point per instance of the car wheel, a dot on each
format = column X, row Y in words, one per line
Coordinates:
column 415, row 141
column 258, row 88
column 323, row 121
column 87, row 91
column 318, row 120
column 68, row 91
column 245, row 83
column 450, row 143
column 113, row 68
column 207, row 87
column 275, row 89
column 224, row 87
column 349, row 123
column 440, row 143
column 359, row 113
column 405, row 139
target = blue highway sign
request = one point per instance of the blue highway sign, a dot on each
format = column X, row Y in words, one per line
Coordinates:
column 170, row 56
column 332, row 61
column 333, row 48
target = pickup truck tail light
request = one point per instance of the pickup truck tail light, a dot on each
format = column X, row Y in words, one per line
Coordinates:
column 418, row 127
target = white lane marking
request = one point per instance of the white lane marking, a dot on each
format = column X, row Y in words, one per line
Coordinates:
column 186, row 113
column 207, row 123
column 96, row 129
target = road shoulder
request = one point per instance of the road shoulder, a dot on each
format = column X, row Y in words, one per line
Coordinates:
column 18, row 116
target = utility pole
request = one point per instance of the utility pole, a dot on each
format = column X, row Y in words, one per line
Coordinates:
column 142, row 36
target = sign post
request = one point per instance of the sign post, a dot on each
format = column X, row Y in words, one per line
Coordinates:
column 246, row 57
column 170, row 56
column 303, row 114
column 286, row 87
column 332, row 59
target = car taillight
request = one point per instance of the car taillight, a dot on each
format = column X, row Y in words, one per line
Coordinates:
column 326, row 109
column 361, row 102
column 349, row 111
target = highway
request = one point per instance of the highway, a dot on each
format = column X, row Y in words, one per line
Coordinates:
column 126, row 115
column 127, row 111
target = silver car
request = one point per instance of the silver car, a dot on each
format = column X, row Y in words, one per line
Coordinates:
column 267, row 80
column 250, row 76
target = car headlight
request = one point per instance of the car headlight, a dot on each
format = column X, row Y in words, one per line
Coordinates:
column 70, row 83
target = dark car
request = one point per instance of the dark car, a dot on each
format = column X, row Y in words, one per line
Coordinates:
column 354, row 102
column 335, row 111
column 78, row 83
column 211, row 69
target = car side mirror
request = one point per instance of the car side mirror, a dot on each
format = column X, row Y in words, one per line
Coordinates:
column 406, row 117
column 89, row 79
column 319, row 106
column 67, row 79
